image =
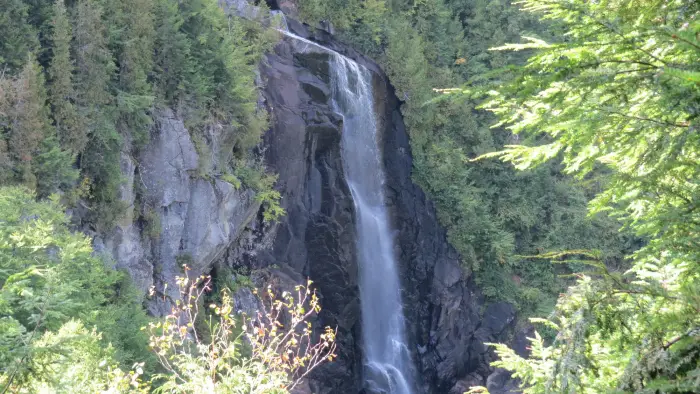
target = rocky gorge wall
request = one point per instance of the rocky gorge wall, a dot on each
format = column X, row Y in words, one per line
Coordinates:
column 214, row 227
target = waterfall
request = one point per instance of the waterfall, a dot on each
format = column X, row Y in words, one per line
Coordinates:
column 388, row 361
column 387, row 358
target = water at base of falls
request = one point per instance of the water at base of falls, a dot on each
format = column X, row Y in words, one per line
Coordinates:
column 388, row 365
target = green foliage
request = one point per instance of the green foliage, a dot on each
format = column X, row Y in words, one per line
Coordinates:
column 29, row 121
column 95, row 69
column 207, row 61
column 361, row 21
column 270, row 200
column 29, row 149
column 152, row 224
column 255, row 177
column 132, row 38
column 231, row 281
column 620, row 93
column 232, row 179
column 51, row 288
column 19, row 38
column 53, row 168
column 69, row 125
column 79, row 363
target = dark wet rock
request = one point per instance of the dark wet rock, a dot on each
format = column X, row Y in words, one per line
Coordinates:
column 500, row 382
column 521, row 343
column 465, row 384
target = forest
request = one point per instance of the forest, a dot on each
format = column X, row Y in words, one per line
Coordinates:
column 559, row 141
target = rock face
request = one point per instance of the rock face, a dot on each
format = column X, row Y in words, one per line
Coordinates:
column 189, row 220
column 210, row 225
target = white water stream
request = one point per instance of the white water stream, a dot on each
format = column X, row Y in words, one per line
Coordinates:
column 387, row 359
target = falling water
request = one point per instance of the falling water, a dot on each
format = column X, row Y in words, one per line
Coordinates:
column 387, row 359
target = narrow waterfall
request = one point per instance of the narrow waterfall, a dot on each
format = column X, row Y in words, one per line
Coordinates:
column 387, row 358
column 388, row 361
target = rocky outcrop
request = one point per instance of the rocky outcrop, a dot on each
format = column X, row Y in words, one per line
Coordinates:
column 183, row 218
column 442, row 304
column 316, row 238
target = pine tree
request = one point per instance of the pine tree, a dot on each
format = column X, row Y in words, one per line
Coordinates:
column 6, row 92
column 18, row 36
column 95, row 70
column 53, row 168
column 132, row 37
column 95, row 66
column 171, row 52
column 30, row 122
column 71, row 128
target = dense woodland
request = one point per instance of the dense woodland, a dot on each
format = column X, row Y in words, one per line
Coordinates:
column 558, row 139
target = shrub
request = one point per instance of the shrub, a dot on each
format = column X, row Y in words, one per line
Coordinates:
column 267, row 357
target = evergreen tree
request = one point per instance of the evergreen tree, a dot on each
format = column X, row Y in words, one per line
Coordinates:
column 171, row 52
column 71, row 128
column 53, row 168
column 94, row 64
column 6, row 92
column 621, row 92
column 18, row 36
column 95, row 70
column 30, row 122
column 132, row 35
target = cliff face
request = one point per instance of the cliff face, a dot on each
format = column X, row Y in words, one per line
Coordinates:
column 191, row 220
column 210, row 225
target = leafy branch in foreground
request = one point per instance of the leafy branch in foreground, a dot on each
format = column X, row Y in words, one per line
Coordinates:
column 270, row 353
column 68, row 323
column 621, row 94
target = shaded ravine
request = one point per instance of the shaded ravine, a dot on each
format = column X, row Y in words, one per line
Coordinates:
column 387, row 366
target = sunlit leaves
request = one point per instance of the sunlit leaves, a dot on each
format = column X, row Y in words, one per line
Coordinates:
column 270, row 353
column 48, row 278
column 619, row 91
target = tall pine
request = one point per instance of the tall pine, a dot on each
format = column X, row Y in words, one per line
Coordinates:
column 30, row 122
column 131, row 40
column 6, row 91
column 172, row 62
column 95, row 70
column 17, row 36
column 69, row 125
